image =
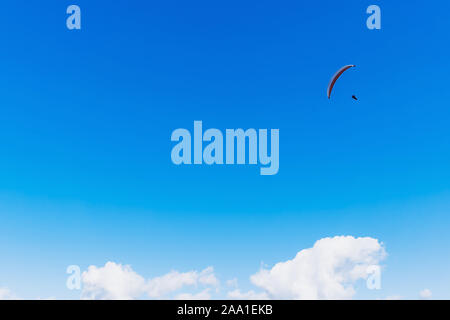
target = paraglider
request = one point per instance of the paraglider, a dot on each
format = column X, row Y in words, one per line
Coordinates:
column 336, row 77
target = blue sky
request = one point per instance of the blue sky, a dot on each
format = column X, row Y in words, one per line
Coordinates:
column 86, row 119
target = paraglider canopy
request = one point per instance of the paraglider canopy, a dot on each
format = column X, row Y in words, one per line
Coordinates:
column 336, row 77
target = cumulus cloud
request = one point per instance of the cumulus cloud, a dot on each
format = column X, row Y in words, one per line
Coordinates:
column 6, row 294
column 116, row 281
column 425, row 294
column 173, row 281
column 328, row 270
column 113, row 281
column 207, row 277
column 232, row 283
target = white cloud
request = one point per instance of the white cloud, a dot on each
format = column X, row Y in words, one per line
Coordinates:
column 170, row 282
column 208, row 278
column 328, row 270
column 174, row 280
column 6, row 294
column 116, row 281
column 250, row 295
column 425, row 294
column 232, row 283
column 113, row 281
